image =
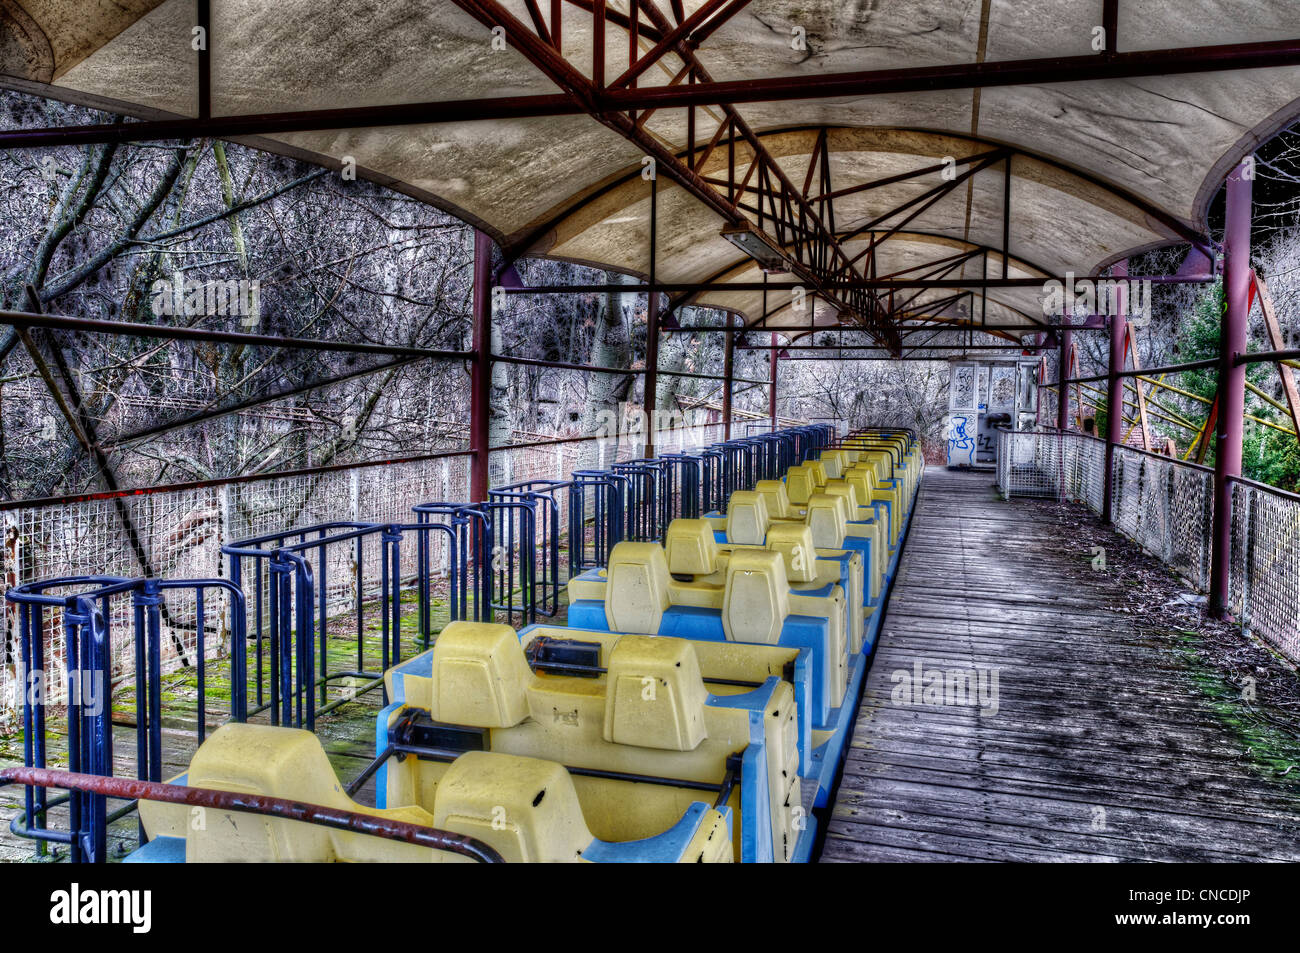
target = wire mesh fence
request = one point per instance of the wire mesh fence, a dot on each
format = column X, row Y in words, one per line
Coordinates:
column 1264, row 574
column 1029, row 465
column 1167, row 506
column 178, row 532
column 1162, row 504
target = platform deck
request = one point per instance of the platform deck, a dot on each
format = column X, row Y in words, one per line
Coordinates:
column 1110, row 742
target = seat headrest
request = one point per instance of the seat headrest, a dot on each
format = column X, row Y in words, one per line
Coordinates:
column 691, row 548
column 636, row 591
column 757, row 597
column 747, row 518
column 794, row 541
column 799, row 485
column 833, row 461
column 818, row 471
column 827, row 520
column 851, row 456
column 480, row 676
column 845, row 489
column 866, row 471
column 775, row 496
column 880, row 463
column 262, row 759
column 863, row 479
column 525, row 808
column 654, row 694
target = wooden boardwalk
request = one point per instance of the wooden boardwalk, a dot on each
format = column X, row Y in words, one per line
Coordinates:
column 1109, row 742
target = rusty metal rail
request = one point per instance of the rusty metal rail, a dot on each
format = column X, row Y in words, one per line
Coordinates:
column 334, row 818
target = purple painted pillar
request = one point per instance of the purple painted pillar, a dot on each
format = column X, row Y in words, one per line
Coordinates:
column 1042, row 380
column 771, row 391
column 480, row 386
column 650, row 399
column 728, row 370
column 1232, row 380
column 1063, row 390
column 1114, row 388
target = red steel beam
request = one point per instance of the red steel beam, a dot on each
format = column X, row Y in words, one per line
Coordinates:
column 728, row 369
column 678, row 33
column 1231, row 390
column 240, row 803
column 1114, row 400
column 587, row 94
column 1032, row 72
column 481, row 368
column 876, row 284
column 769, row 167
column 60, row 322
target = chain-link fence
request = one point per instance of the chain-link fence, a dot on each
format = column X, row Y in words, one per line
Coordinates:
column 1167, row 507
column 1051, row 464
column 1164, row 505
column 178, row 532
column 1264, row 574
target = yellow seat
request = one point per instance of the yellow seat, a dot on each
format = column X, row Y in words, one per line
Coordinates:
column 776, row 497
column 834, row 461
column 478, row 674
column 655, row 694
column 757, row 598
column 808, row 567
column 800, row 484
column 637, row 588
column 794, row 542
column 876, row 529
column 526, row 808
column 287, row 763
column 747, row 518
column 648, row 714
column 691, row 548
column 870, row 488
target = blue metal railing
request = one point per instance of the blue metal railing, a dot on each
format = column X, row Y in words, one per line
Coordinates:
column 80, row 606
column 295, row 566
column 502, row 556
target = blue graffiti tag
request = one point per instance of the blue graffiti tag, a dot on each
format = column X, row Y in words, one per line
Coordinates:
column 961, row 440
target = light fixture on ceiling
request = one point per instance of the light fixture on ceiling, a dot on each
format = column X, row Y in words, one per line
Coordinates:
column 759, row 247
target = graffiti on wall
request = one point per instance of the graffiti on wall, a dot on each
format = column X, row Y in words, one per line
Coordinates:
column 961, row 440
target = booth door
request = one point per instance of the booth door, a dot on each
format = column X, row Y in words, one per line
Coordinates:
column 963, row 414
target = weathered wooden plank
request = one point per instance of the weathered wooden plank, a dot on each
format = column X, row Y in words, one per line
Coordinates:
column 1105, row 745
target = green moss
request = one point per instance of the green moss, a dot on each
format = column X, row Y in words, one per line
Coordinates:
column 1265, row 746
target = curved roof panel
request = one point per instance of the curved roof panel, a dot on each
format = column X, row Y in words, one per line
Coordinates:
column 1094, row 169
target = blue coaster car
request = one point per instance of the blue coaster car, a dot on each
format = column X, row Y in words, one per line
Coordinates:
column 634, row 723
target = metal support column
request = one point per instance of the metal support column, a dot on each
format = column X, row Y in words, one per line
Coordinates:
column 1232, row 380
column 480, row 368
column 651, row 383
column 1114, row 389
column 728, row 368
column 771, row 390
column 1062, row 388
